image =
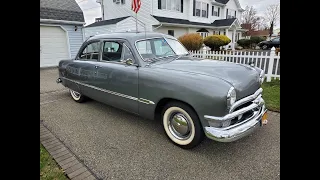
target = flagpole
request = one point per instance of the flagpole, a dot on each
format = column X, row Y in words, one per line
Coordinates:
column 137, row 21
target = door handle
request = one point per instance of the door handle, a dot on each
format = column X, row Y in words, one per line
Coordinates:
column 97, row 67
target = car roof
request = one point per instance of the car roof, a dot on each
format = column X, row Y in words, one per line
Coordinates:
column 130, row 36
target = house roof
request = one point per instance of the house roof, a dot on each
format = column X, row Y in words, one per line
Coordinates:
column 222, row 1
column 216, row 23
column 260, row 33
column 107, row 22
column 67, row 10
column 223, row 22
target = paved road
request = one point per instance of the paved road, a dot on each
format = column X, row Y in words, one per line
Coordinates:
column 118, row 145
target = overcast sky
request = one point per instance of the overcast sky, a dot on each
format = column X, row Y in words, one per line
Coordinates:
column 91, row 9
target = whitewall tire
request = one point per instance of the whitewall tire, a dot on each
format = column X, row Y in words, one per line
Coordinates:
column 76, row 96
column 182, row 125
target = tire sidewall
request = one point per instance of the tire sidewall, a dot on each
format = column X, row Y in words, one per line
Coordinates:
column 79, row 99
column 165, row 122
column 197, row 133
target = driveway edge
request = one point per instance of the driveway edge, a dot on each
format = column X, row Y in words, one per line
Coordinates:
column 64, row 157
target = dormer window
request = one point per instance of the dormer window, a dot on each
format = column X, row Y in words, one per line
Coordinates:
column 231, row 14
column 119, row 1
column 173, row 5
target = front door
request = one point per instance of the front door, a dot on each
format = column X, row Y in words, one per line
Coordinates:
column 117, row 79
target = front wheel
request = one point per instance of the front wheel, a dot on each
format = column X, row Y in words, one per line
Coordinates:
column 76, row 96
column 182, row 125
column 264, row 47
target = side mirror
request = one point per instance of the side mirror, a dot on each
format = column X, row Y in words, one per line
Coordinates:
column 129, row 62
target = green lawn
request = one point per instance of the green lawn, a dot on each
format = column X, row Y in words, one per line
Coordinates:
column 271, row 95
column 49, row 169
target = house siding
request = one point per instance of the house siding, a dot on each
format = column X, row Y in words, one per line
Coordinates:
column 178, row 31
column 113, row 11
column 75, row 38
column 129, row 24
column 91, row 31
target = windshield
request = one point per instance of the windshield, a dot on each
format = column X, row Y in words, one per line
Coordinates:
column 160, row 47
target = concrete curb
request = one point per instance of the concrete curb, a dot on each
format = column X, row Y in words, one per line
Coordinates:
column 66, row 159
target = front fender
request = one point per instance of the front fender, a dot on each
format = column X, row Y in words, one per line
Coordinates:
column 206, row 94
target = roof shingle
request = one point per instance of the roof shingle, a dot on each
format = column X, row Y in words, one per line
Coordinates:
column 216, row 23
column 67, row 10
column 107, row 22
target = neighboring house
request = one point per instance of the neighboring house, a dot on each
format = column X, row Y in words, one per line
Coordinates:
column 259, row 33
column 61, row 23
column 173, row 17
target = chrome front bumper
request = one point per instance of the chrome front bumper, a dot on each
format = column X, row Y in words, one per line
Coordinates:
column 243, row 128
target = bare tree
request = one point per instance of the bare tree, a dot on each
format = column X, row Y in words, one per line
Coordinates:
column 250, row 18
column 272, row 15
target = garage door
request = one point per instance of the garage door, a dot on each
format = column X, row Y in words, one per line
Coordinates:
column 53, row 46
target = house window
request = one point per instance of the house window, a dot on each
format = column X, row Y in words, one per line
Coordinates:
column 119, row 1
column 231, row 14
column 203, row 34
column 171, row 32
column 215, row 11
column 201, row 9
column 174, row 5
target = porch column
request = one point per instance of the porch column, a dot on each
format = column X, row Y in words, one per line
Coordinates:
column 226, row 47
column 234, row 39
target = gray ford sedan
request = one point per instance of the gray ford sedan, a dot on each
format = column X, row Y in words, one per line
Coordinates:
column 154, row 76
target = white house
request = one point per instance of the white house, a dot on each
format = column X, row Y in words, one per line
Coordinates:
column 61, row 23
column 173, row 17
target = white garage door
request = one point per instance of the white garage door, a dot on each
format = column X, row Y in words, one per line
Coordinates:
column 53, row 46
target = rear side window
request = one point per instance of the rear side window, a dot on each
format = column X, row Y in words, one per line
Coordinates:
column 90, row 52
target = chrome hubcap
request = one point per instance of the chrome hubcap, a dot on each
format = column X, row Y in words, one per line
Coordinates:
column 75, row 94
column 179, row 126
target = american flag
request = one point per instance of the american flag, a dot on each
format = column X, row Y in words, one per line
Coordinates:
column 136, row 5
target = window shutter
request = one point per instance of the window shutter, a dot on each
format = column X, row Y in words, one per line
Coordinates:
column 207, row 10
column 218, row 12
column 159, row 4
column 227, row 14
column 182, row 6
column 235, row 14
column 212, row 10
column 194, row 7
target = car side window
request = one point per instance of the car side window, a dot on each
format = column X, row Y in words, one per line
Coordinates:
column 90, row 52
column 127, row 54
column 112, row 51
column 276, row 39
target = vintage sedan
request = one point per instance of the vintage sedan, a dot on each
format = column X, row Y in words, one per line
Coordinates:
column 154, row 76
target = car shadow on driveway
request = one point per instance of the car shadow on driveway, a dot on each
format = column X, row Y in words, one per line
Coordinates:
column 118, row 144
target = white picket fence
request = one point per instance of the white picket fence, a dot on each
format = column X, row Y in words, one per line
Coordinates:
column 269, row 61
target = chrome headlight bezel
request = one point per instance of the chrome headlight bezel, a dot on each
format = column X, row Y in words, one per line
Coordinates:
column 231, row 97
column 261, row 76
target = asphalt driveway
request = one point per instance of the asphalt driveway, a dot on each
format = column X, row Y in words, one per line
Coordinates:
column 118, row 145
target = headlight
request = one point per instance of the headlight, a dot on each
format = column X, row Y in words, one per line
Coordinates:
column 261, row 77
column 231, row 97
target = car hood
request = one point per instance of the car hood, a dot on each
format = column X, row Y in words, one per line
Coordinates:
column 244, row 78
column 263, row 42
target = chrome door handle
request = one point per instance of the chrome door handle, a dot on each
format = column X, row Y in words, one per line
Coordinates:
column 97, row 67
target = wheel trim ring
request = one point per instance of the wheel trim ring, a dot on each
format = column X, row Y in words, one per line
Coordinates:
column 165, row 123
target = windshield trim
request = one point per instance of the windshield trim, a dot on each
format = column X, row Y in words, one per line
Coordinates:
column 175, row 54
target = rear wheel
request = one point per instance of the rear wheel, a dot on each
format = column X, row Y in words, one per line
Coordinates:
column 182, row 125
column 76, row 96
